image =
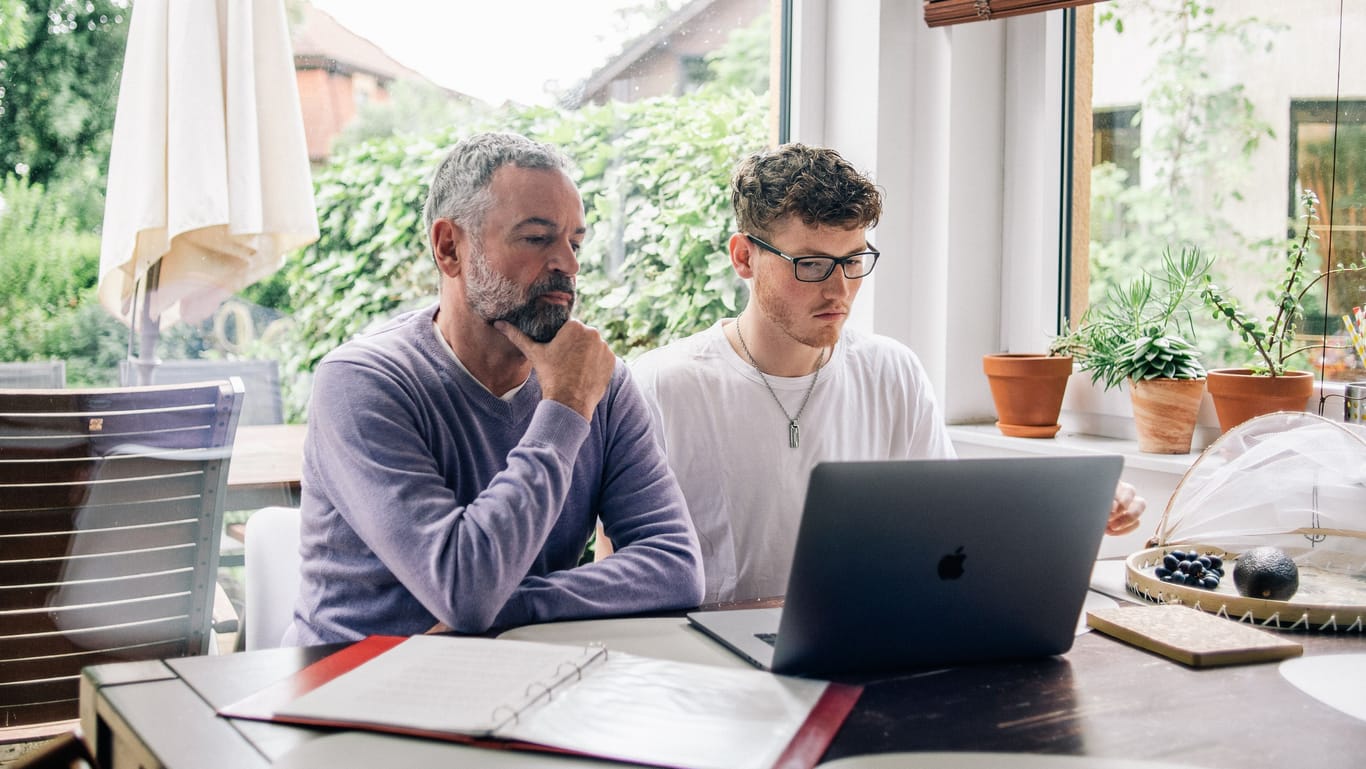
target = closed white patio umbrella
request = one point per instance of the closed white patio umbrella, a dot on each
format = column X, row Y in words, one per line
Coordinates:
column 209, row 181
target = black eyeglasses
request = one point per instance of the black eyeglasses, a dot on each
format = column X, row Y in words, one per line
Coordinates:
column 814, row 269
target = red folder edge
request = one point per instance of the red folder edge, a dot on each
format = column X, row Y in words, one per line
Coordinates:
column 262, row 705
column 824, row 720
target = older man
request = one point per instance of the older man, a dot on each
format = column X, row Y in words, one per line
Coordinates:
column 458, row 456
column 747, row 407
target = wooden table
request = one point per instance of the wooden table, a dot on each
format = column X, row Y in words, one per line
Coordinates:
column 267, row 466
column 1103, row 699
column 267, row 469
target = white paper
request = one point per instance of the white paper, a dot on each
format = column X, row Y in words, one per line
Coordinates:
column 1333, row 679
column 674, row 713
column 463, row 685
column 583, row 699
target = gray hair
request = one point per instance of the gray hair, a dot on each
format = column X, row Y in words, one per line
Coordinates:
column 460, row 188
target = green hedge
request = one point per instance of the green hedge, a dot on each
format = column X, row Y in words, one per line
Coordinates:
column 653, row 175
column 48, row 308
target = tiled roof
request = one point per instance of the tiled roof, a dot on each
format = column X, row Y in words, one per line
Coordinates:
column 322, row 41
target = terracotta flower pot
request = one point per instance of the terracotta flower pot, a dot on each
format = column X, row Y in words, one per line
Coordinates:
column 1165, row 411
column 1027, row 390
column 1240, row 395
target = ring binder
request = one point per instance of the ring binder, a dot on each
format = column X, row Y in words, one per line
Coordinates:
column 538, row 696
column 577, row 668
column 538, row 690
column 531, row 698
column 574, row 670
column 510, row 718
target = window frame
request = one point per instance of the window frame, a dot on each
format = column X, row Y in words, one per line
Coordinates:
column 962, row 150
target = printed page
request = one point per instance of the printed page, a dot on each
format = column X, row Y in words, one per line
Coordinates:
column 461, row 685
column 673, row 714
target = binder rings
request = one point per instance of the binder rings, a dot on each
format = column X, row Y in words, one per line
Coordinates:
column 582, row 700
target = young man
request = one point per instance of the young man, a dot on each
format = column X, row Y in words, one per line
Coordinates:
column 746, row 408
column 457, row 457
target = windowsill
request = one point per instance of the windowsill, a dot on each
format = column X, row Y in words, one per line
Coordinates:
column 1091, row 416
column 990, row 440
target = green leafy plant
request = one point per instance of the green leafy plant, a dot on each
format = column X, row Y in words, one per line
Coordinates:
column 1142, row 330
column 1271, row 341
column 1063, row 343
column 48, row 272
column 657, row 207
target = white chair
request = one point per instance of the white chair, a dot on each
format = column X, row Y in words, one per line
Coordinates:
column 272, row 575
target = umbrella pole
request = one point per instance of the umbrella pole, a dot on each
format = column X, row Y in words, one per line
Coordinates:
column 148, row 328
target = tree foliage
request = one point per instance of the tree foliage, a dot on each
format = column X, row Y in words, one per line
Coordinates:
column 1199, row 138
column 48, row 308
column 1200, row 135
column 654, row 177
column 58, row 91
column 13, row 24
column 655, row 192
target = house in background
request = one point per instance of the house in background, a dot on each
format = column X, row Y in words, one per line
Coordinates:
column 338, row 72
column 669, row 59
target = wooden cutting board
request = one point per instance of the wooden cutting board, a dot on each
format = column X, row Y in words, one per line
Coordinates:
column 1191, row 636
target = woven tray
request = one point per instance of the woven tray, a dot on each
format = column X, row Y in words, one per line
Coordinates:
column 1326, row 601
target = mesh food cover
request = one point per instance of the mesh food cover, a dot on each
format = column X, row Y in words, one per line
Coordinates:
column 1294, row 481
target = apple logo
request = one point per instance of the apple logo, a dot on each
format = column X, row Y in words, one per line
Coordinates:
column 951, row 565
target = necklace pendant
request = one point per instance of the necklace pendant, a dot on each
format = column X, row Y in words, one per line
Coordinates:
column 794, row 434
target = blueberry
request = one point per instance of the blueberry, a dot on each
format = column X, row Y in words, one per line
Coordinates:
column 1215, row 561
column 1184, row 567
column 1209, row 583
column 1205, row 561
column 1179, row 577
column 1162, row 572
column 1196, row 570
column 1170, row 561
column 1180, row 555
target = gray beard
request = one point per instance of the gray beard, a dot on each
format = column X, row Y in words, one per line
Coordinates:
column 494, row 297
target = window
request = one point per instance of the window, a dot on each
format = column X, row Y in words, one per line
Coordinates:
column 1115, row 167
column 1208, row 118
column 1116, row 140
column 1333, row 165
column 384, row 89
column 693, row 72
column 619, row 100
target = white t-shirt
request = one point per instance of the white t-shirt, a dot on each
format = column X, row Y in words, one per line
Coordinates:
column 727, row 441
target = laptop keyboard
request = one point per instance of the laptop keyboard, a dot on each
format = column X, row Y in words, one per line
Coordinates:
column 769, row 638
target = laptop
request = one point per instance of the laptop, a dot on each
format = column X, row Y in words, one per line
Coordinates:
column 920, row 563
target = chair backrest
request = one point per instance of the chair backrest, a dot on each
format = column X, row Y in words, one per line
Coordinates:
column 43, row 374
column 272, row 574
column 261, row 378
column 111, row 512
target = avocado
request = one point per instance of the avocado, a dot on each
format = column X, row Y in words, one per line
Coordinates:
column 1266, row 572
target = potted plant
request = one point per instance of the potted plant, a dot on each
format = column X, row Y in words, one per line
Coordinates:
column 1140, row 334
column 1027, row 389
column 1267, row 385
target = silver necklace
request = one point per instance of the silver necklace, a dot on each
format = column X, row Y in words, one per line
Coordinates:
column 794, row 430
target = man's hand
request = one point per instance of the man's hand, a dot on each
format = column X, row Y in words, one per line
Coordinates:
column 1125, row 510
column 574, row 368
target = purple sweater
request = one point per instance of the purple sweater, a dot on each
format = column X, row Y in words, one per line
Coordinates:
column 427, row 499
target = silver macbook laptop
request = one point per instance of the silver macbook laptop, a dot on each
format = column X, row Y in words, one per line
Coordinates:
column 912, row 564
